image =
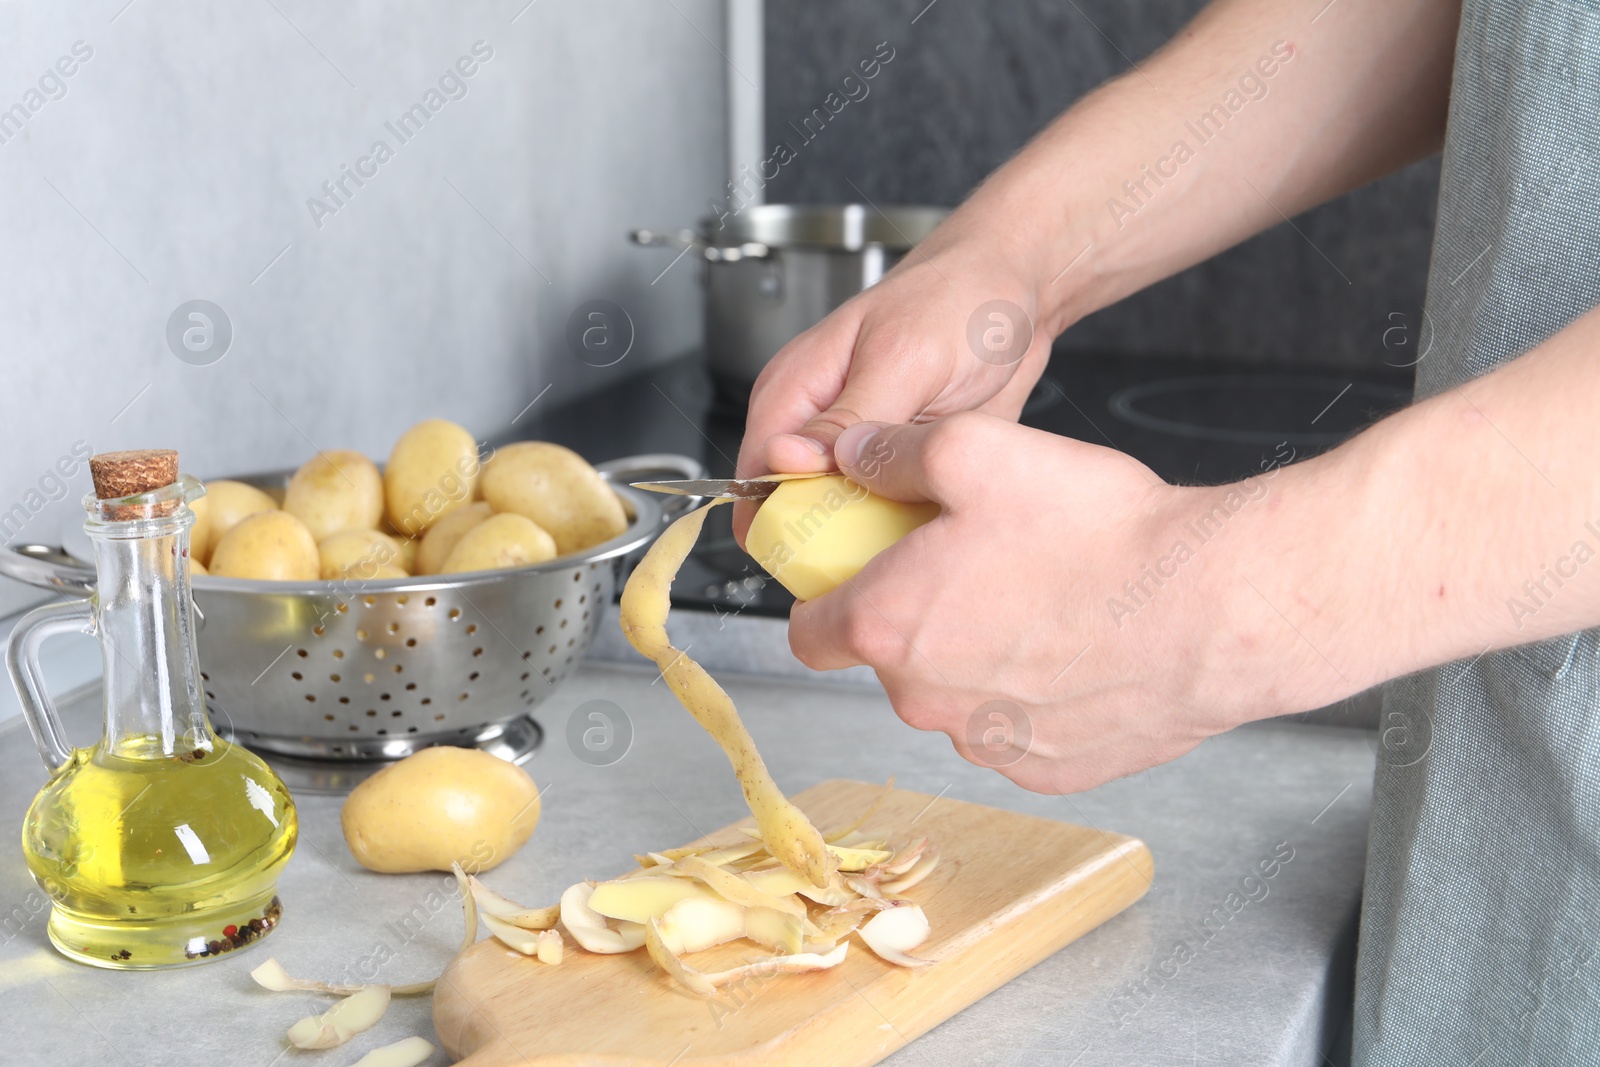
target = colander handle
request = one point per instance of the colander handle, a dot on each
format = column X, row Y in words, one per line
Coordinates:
column 654, row 465
column 48, row 567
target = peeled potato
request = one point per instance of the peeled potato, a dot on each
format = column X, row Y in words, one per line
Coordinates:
column 440, row 806
column 228, row 503
column 360, row 554
column 507, row 540
column 443, row 535
column 335, row 491
column 814, row 534
column 432, row 471
column 271, row 546
column 556, row 488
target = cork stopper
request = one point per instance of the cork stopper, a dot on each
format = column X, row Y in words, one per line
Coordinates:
column 119, row 474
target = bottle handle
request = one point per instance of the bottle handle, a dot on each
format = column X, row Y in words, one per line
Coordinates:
column 22, row 660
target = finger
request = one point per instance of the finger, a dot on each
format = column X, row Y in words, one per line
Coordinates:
column 804, row 378
column 877, row 390
column 937, row 461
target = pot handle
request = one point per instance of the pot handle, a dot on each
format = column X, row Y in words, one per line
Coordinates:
column 48, row 567
column 655, row 465
column 711, row 253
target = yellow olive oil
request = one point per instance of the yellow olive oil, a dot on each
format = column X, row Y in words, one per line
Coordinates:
column 154, row 859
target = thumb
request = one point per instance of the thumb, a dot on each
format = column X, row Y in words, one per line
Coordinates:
column 932, row 461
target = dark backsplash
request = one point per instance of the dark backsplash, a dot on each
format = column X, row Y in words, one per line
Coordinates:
column 972, row 80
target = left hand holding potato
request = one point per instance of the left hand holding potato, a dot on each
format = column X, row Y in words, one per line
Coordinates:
column 999, row 622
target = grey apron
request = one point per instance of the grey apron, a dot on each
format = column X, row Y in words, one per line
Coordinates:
column 1480, row 934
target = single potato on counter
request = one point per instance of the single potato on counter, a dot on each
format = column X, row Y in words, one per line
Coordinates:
column 556, row 488
column 432, row 471
column 440, row 806
column 271, row 546
column 442, row 536
column 335, row 491
column 360, row 554
column 500, row 541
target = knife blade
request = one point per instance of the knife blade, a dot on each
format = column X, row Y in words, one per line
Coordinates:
column 726, row 488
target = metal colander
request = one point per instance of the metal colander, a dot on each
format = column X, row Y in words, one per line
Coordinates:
column 374, row 670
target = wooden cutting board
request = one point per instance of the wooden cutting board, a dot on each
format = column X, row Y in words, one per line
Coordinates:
column 1009, row 891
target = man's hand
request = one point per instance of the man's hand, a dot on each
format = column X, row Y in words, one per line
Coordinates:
column 1062, row 619
column 898, row 353
column 1069, row 618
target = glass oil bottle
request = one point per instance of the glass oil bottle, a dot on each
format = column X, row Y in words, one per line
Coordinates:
column 161, row 844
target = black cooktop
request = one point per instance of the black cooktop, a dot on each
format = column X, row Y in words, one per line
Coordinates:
column 1192, row 421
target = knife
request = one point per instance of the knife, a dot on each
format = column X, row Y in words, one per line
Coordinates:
column 726, row 488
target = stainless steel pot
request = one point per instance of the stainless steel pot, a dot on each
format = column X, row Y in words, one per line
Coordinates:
column 377, row 669
column 775, row 270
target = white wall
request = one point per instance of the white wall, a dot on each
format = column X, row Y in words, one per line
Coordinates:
column 178, row 163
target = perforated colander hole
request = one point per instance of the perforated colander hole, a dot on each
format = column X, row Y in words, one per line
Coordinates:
column 338, row 653
column 353, row 728
column 477, row 651
column 384, row 697
column 526, row 695
column 431, row 601
column 425, row 702
column 368, row 677
column 372, row 713
column 369, row 600
column 395, row 714
column 341, row 607
column 577, row 576
column 205, row 677
column 383, row 733
column 558, row 602
column 361, row 635
column 473, row 677
column 302, row 653
column 328, row 717
column 402, row 600
column 210, row 695
column 455, row 613
column 338, row 750
column 311, row 698
column 394, row 628
column 296, row 675
column 344, row 700
column 463, row 696
column 411, row 729
column 563, row 624
column 472, row 628
column 570, row 641
column 438, row 718
column 410, row 686
column 333, row 677
column 411, row 642
column 586, row 616
column 525, row 676
column 319, row 629
column 380, row 653
column 552, row 650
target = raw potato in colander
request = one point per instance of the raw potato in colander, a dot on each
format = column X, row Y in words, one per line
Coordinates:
column 556, row 488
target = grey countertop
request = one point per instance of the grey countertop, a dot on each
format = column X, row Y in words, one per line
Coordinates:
column 1255, row 991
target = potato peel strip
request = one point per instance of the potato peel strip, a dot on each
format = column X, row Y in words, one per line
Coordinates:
column 788, row 834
